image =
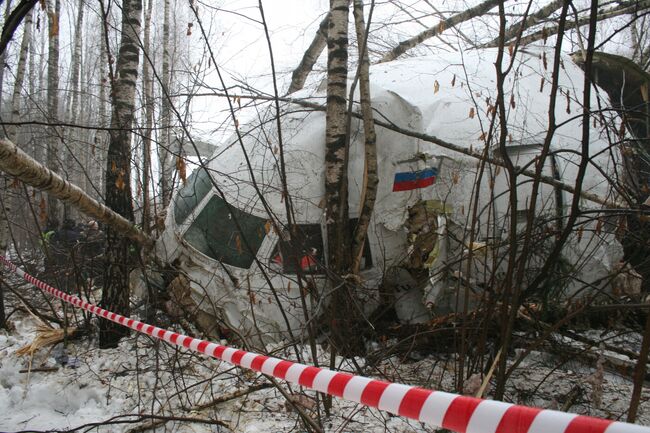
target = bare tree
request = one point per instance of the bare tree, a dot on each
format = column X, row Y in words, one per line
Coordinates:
column 149, row 120
column 370, row 178
column 165, row 154
column 115, row 296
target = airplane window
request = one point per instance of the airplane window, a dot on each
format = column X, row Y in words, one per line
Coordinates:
column 306, row 253
column 196, row 187
column 215, row 233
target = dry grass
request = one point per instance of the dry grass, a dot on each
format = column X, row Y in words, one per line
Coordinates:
column 45, row 336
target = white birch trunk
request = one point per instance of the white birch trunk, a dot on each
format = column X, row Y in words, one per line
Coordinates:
column 165, row 156
column 53, row 148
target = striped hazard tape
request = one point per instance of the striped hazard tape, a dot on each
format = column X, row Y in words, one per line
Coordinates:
column 436, row 408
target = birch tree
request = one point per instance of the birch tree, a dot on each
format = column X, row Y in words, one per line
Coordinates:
column 73, row 103
column 115, row 296
column 370, row 178
column 336, row 178
column 53, row 12
column 149, row 119
column 165, row 154
column 12, row 129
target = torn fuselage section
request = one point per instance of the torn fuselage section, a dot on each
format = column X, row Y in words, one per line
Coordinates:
column 445, row 221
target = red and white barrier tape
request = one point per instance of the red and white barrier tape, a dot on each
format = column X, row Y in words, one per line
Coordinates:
column 436, row 408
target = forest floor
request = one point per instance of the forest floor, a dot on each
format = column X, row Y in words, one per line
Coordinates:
column 146, row 385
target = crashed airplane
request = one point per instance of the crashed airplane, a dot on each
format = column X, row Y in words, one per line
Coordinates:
column 226, row 228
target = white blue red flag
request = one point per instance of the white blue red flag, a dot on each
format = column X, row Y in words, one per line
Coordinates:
column 409, row 180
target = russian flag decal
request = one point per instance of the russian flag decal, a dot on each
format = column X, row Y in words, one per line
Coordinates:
column 409, row 180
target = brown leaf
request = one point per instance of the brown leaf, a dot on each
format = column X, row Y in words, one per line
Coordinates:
column 455, row 177
column 441, row 27
column 267, row 226
column 236, row 123
column 482, row 136
column 182, row 169
column 119, row 182
column 581, row 230
column 541, row 85
column 471, row 113
column 511, row 49
column 54, row 27
column 453, row 81
column 544, row 35
column 113, row 167
column 568, row 102
column 15, row 184
column 512, row 100
column 599, row 226
column 545, row 61
column 436, row 87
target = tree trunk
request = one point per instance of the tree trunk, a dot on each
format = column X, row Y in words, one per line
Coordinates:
column 336, row 179
column 4, row 226
column 3, row 56
column 101, row 137
column 12, row 130
column 310, row 57
column 115, row 296
column 73, row 138
column 370, row 178
column 149, row 118
column 53, row 206
column 165, row 155
column 12, row 133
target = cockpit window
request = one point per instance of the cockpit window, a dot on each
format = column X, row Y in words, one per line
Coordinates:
column 216, row 233
column 196, row 187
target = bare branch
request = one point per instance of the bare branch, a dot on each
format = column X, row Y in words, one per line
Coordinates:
column 621, row 9
column 531, row 21
column 310, row 57
column 438, row 29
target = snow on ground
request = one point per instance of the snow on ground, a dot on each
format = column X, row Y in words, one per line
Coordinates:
column 143, row 377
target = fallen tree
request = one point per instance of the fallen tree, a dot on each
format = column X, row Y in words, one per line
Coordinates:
column 17, row 163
